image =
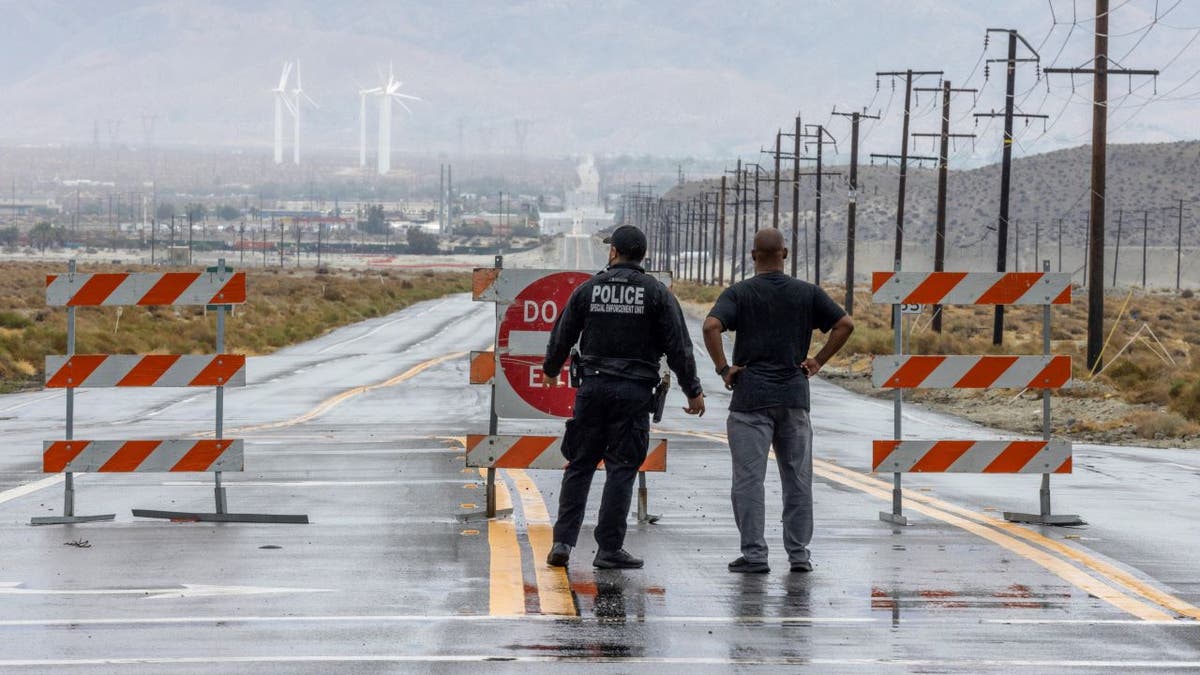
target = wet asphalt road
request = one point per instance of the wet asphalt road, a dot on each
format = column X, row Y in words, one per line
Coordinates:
column 360, row 430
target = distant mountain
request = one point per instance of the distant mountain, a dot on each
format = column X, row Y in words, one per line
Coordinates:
column 1045, row 188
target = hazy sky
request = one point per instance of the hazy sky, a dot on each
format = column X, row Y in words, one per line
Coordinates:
column 705, row 78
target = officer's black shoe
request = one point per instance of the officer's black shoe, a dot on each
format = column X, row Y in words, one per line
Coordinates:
column 802, row 566
column 744, row 566
column 616, row 560
column 560, row 553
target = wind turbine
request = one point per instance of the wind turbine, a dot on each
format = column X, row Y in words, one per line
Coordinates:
column 298, row 94
column 362, row 123
column 390, row 91
column 281, row 99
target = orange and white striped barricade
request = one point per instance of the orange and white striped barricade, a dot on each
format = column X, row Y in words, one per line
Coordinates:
column 540, row 452
column 219, row 288
column 528, row 301
column 901, row 371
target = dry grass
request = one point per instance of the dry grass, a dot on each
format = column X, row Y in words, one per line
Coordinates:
column 284, row 307
column 1141, row 374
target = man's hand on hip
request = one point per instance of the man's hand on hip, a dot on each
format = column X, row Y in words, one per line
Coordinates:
column 810, row 366
column 730, row 376
column 695, row 406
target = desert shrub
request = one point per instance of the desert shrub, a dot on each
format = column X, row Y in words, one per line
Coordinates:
column 9, row 319
column 1161, row 425
column 1185, row 399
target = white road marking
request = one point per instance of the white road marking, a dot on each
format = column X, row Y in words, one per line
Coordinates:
column 1184, row 623
column 31, row 402
column 182, row 591
column 29, row 488
column 427, row 618
column 664, row 660
column 376, row 329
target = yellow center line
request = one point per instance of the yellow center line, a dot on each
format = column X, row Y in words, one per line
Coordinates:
column 1108, row 570
column 554, row 588
column 334, row 401
column 1006, row 535
column 506, row 592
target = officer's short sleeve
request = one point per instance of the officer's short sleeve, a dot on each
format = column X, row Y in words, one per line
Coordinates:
column 725, row 309
column 825, row 312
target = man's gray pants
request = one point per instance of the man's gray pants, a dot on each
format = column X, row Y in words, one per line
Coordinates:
column 751, row 435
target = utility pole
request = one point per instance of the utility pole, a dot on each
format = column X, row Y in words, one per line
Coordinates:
column 737, row 207
column 1100, row 72
column 1179, row 247
column 852, row 203
column 908, row 87
column 796, row 193
column 1145, row 227
column 721, row 234
column 743, row 199
column 1060, row 222
column 1117, row 253
column 1006, row 162
column 1037, row 243
column 775, row 207
column 797, row 137
column 821, row 134
column 939, row 240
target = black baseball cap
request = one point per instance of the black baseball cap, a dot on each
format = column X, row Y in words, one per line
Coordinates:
column 629, row 242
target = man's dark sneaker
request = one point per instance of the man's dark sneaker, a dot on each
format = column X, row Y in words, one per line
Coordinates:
column 802, row 566
column 616, row 560
column 744, row 566
column 560, row 553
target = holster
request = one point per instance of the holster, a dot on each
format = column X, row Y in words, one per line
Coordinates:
column 574, row 371
column 659, row 401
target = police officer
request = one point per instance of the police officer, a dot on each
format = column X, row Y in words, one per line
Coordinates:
column 625, row 320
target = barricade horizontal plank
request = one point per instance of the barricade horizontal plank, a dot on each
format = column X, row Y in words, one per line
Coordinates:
column 971, row 288
column 145, row 288
column 971, row 372
column 143, row 456
column 154, row 370
column 956, row 456
column 483, row 367
column 540, row 452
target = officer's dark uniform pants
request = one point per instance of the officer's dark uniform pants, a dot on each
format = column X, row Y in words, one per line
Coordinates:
column 611, row 423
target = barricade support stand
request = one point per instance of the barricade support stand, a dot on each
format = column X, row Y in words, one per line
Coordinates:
column 489, row 509
column 68, row 517
column 896, row 516
column 1045, row 515
column 643, row 512
column 221, row 509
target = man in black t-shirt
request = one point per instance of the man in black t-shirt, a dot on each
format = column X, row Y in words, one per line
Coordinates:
column 773, row 316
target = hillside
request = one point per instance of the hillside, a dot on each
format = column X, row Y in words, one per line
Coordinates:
column 1045, row 188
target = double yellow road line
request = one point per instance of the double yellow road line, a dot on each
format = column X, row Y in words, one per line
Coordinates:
column 1090, row 573
column 506, row 571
